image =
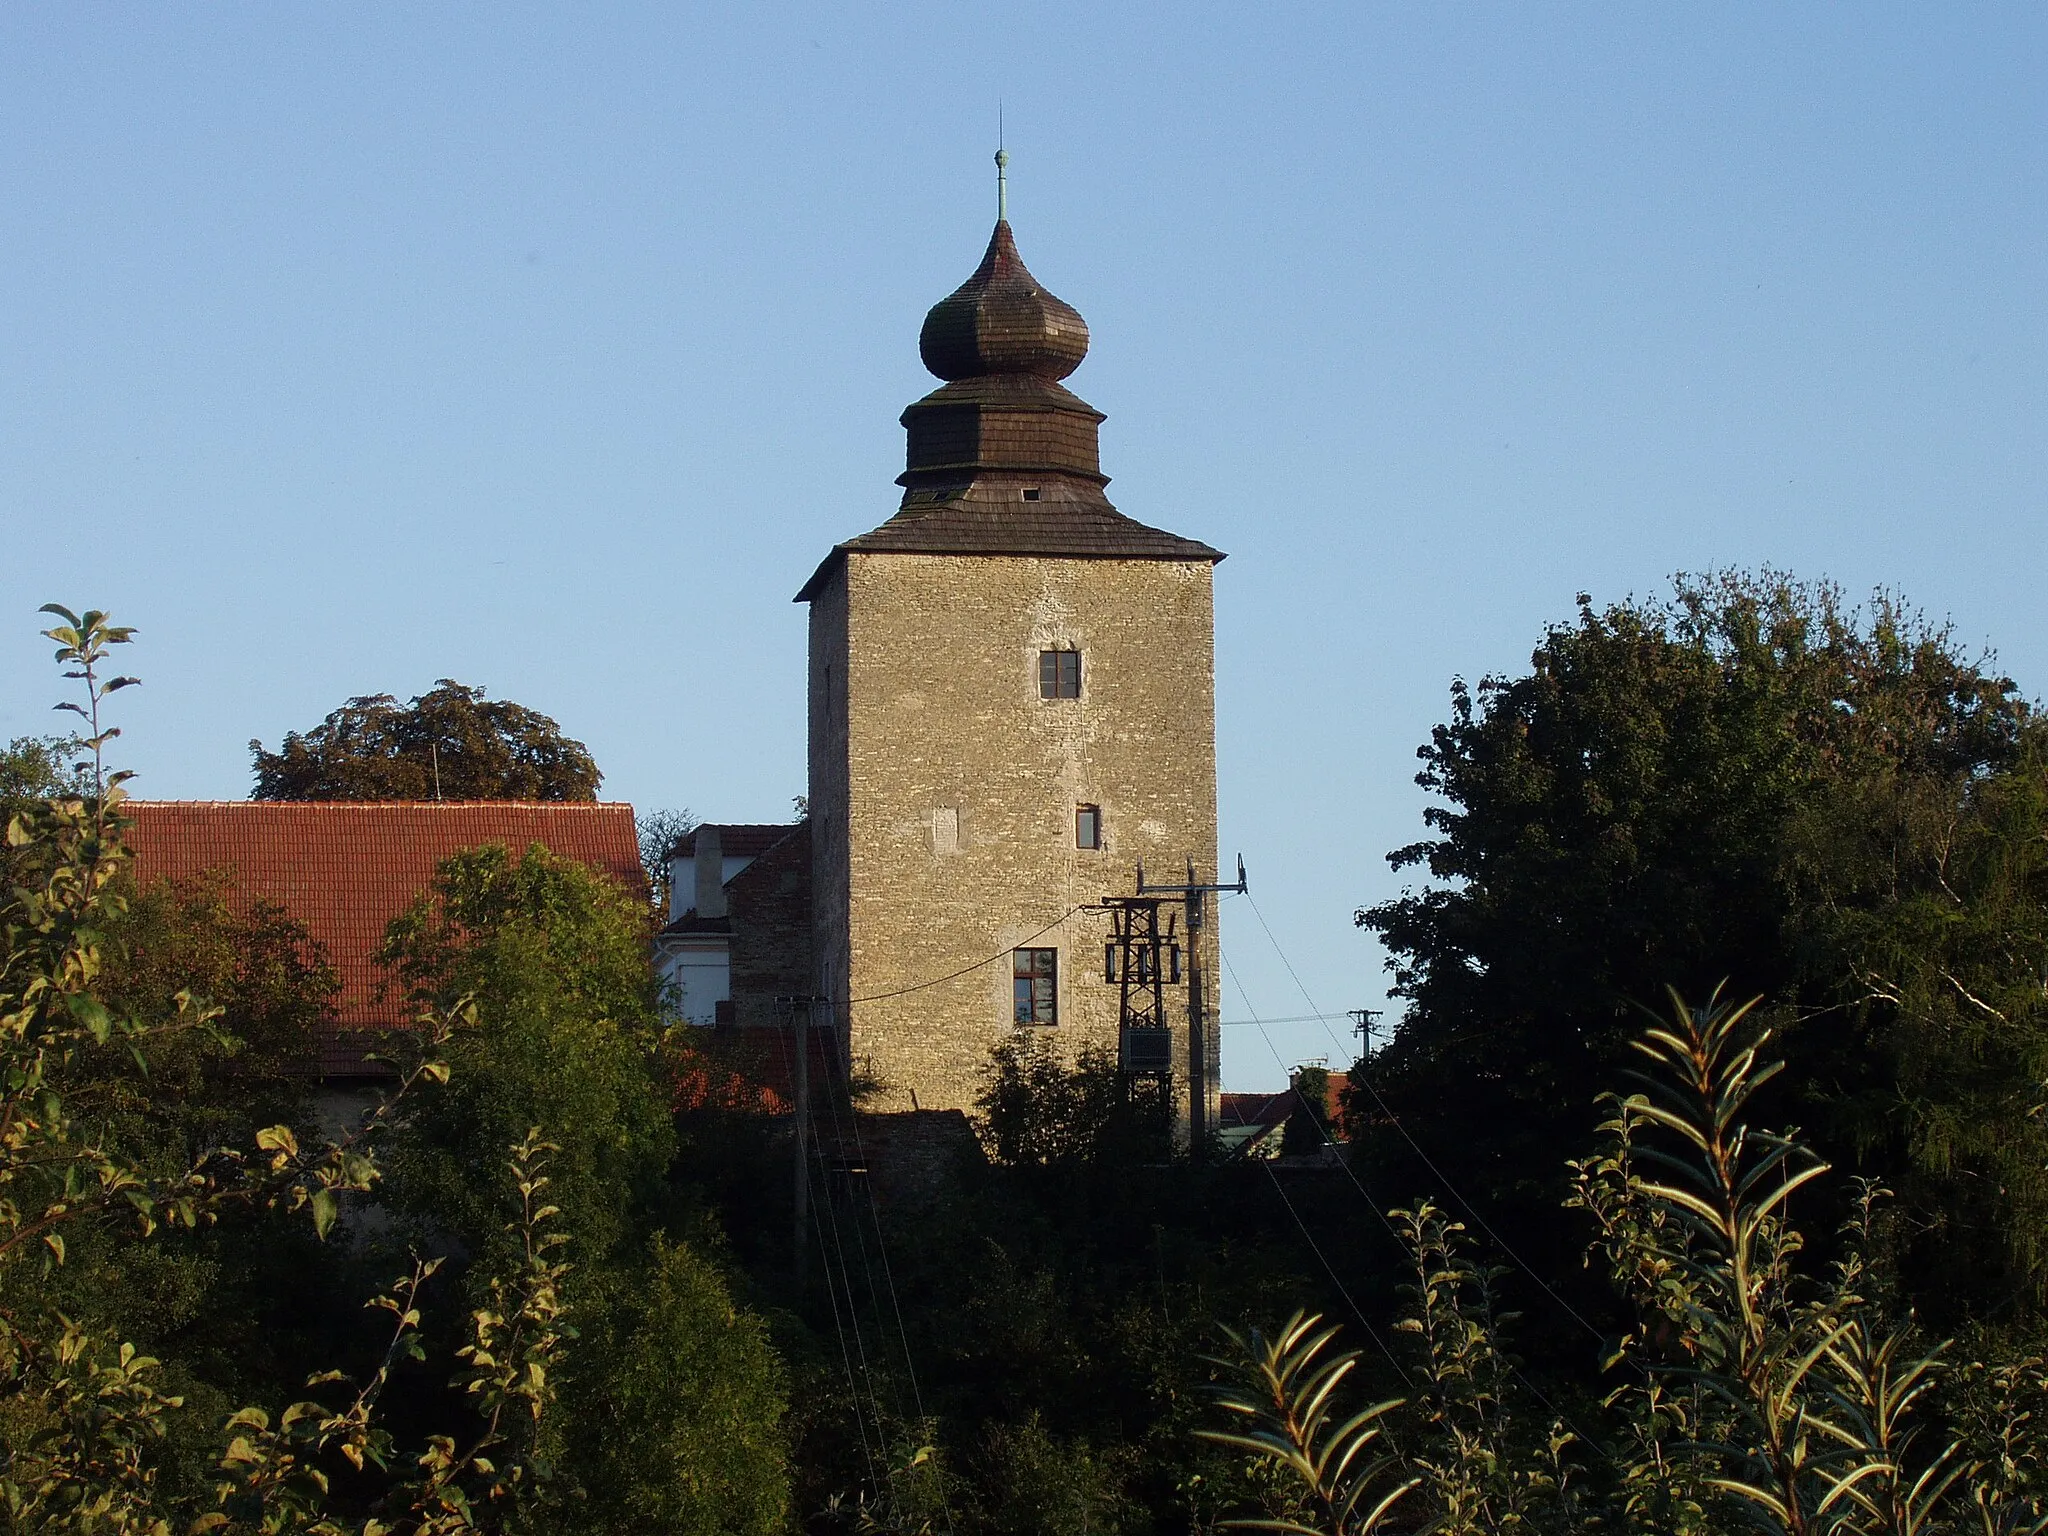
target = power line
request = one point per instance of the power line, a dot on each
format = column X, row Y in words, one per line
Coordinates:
column 1330, row 1270
column 1293, row 1088
column 881, row 1249
column 839, row 1325
column 1402, row 1243
column 1427, row 1161
column 1293, row 1018
column 966, row 970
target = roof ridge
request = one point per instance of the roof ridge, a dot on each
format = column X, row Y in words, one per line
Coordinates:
column 385, row 805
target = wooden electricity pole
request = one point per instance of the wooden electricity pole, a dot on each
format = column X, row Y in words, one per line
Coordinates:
column 800, row 1011
column 1196, row 894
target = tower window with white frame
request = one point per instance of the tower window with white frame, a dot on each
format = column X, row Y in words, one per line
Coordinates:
column 1088, row 826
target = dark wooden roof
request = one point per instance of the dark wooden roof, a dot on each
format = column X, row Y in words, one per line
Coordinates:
column 1002, row 321
column 1003, row 459
column 995, row 520
column 741, row 839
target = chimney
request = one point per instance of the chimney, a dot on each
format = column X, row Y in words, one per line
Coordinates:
column 710, row 873
column 682, row 875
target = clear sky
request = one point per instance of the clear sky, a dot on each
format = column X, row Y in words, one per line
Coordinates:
column 347, row 347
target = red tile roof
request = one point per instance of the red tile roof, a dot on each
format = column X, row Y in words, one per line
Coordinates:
column 751, row 1069
column 1266, row 1109
column 1270, row 1109
column 344, row 869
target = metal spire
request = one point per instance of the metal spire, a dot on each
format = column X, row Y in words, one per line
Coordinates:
column 1002, row 169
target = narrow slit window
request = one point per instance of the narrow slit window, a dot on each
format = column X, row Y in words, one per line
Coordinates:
column 1059, row 674
column 1088, row 826
column 1037, row 990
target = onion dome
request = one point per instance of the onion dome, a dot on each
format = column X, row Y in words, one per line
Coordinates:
column 1002, row 458
column 1001, row 321
column 1002, row 424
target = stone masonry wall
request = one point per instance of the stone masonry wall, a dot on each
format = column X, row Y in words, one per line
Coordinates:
column 944, row 790
column 827, row 786
column 771, row 931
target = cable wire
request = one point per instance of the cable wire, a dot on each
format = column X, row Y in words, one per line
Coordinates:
column 889, row 1279
column 1330, row 1270
column 968, row 970
column 840, row 1326
column 1400, row 1242
column 1427, row 1161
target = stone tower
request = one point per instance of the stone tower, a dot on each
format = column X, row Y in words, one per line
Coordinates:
column 1011, row 707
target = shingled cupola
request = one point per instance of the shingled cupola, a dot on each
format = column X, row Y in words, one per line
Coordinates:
column 1003, row 458
column 1002, row 344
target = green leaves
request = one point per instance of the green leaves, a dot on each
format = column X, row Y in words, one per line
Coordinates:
column 325, row 1206
column 84, row 1414
column 1284, row 1397
column 449, row 744
column 1840, row 808
column 1752, row 1395
column 1804, row 1399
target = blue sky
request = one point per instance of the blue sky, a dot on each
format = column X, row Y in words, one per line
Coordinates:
column 548, row 348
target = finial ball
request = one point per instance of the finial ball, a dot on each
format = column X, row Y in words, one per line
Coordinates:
column 1002, row 159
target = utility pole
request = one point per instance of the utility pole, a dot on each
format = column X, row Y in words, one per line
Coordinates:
column 800, row 1013
column 1196, row 894
column 1361, row 1025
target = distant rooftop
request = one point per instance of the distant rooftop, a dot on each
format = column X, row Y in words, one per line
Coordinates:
column 741, row 840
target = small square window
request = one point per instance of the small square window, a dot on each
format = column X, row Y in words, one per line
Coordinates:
column 1059, row 674
column 1087, row 826
column 1031, row 493
column 1037, row 973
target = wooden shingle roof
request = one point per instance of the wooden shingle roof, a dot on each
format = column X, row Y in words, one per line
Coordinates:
column 1002, row 321
column 986, row 521
column 1003, row 459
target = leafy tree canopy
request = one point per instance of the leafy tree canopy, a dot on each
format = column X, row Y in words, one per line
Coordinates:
column 554, row 957
column 1038, row 1111
column 673, row 1416
column 449, row 744
column 1833, row 807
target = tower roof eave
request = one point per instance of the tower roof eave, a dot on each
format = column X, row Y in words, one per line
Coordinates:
column 1059, row 532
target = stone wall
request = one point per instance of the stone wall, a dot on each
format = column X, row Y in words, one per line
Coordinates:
column 828, row 793
column 944, row 791
column 771, row 955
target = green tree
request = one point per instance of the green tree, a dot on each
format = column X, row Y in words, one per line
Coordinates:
column 1676, row 792
column 1308, row 1122
column 672, row 1415
column 553, row 956
column 34, row 769
column 1038, row 1111
column 84, row 1413
column 125, row 1169
column 1924, row 1046
column 1749, row 1393
column 677, row 1421
column 272, row 984
column 245, row 1307
column 450, row 743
